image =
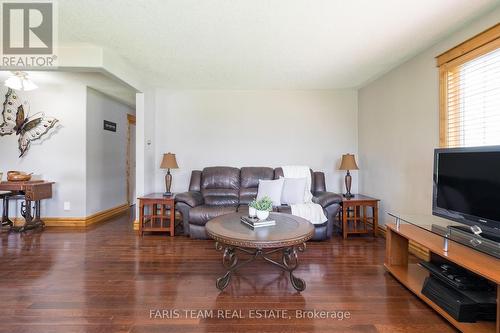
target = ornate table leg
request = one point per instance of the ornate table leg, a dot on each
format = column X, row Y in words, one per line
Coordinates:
column 230, row 262
column 290, row 262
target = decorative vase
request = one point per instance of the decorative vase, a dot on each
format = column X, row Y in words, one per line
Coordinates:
column 252, row 212
column 262, row 214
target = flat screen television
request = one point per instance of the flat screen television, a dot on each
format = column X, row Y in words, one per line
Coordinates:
column 467, row 186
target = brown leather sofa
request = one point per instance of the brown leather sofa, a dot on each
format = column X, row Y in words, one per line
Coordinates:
column 222, row 190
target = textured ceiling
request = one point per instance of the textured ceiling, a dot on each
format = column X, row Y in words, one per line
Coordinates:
column 269, row 44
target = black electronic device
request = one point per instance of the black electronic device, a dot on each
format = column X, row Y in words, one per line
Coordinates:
column 459, row 307
column 457, row 277
column 467, row 186
column 464, row 295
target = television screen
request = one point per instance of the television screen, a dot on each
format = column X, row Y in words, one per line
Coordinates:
column 467, row 184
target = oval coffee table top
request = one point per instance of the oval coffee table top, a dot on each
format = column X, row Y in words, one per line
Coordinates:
column 289, row 230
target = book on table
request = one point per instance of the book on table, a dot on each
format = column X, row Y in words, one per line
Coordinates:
column 253, row 222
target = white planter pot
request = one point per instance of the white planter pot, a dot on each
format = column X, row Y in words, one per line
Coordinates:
column 252, row 212
column 262, row 214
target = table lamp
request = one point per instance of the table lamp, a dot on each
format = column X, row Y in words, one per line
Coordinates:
column 348, row 163
column 168, row 162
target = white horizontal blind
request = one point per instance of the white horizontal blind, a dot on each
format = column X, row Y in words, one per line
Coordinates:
column 473, row 102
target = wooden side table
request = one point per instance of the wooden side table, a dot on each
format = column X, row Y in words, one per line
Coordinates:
column 156, row 213
column 358, row 205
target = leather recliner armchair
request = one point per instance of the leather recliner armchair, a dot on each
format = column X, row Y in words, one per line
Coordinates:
column 217, row 191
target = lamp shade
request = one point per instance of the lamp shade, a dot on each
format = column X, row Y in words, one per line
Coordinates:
column 169, row 161
column 348, row 162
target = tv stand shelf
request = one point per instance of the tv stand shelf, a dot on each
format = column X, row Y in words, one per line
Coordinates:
column 412, row 276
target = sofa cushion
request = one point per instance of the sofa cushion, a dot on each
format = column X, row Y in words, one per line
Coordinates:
column 293, row 191
column 221, row 196
column 278, row 172
column 250, row 177
column 247, row 195
column 220, row 185
column 200, row 215
column 220, row 177
column 271, row 189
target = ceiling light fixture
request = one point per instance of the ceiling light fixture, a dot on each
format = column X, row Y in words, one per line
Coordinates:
column 20, row 81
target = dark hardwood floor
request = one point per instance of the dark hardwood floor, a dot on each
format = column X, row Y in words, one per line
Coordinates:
column 107, row 279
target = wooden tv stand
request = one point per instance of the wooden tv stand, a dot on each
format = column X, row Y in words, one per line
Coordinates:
column 412, row 276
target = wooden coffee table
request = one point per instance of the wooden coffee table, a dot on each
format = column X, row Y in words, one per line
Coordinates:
column 287, row 237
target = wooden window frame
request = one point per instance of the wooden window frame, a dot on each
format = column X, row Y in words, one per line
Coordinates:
column 472, row 48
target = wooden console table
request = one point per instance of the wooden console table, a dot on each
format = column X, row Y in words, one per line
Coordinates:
column 412, row 276
column 156, row 213
column 33, row 191
column 358, row 206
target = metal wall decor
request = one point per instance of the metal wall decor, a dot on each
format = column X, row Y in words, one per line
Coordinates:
column 15, row 119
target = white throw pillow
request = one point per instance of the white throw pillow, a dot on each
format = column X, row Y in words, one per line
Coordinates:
column 271, row 189
column 293, row 191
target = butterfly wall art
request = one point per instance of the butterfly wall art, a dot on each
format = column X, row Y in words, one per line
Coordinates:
column 15, row 120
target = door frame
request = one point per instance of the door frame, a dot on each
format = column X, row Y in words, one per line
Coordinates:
column 131, row 121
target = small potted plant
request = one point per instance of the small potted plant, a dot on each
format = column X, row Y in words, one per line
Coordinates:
column 252, row 210
column 263, row 207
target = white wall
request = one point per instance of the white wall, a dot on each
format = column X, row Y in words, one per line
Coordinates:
column 106, row 153
column 255, row 128
column 68, row 151
column 399, row 127
column 60, row 157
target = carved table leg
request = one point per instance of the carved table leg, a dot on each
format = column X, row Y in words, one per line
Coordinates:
column 290, row 262
column 231, row 263
column 229, row 260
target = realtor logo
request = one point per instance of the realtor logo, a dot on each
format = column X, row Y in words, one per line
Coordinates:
column 28, row 28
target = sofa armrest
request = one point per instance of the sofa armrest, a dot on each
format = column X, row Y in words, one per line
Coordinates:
column 191, row 198
column 326, row 199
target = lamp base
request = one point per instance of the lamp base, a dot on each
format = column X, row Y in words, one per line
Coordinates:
column 168, row 183
column 348, row 181
column 348, row 195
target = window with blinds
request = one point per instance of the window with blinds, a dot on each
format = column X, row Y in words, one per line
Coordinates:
column 470, row 93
